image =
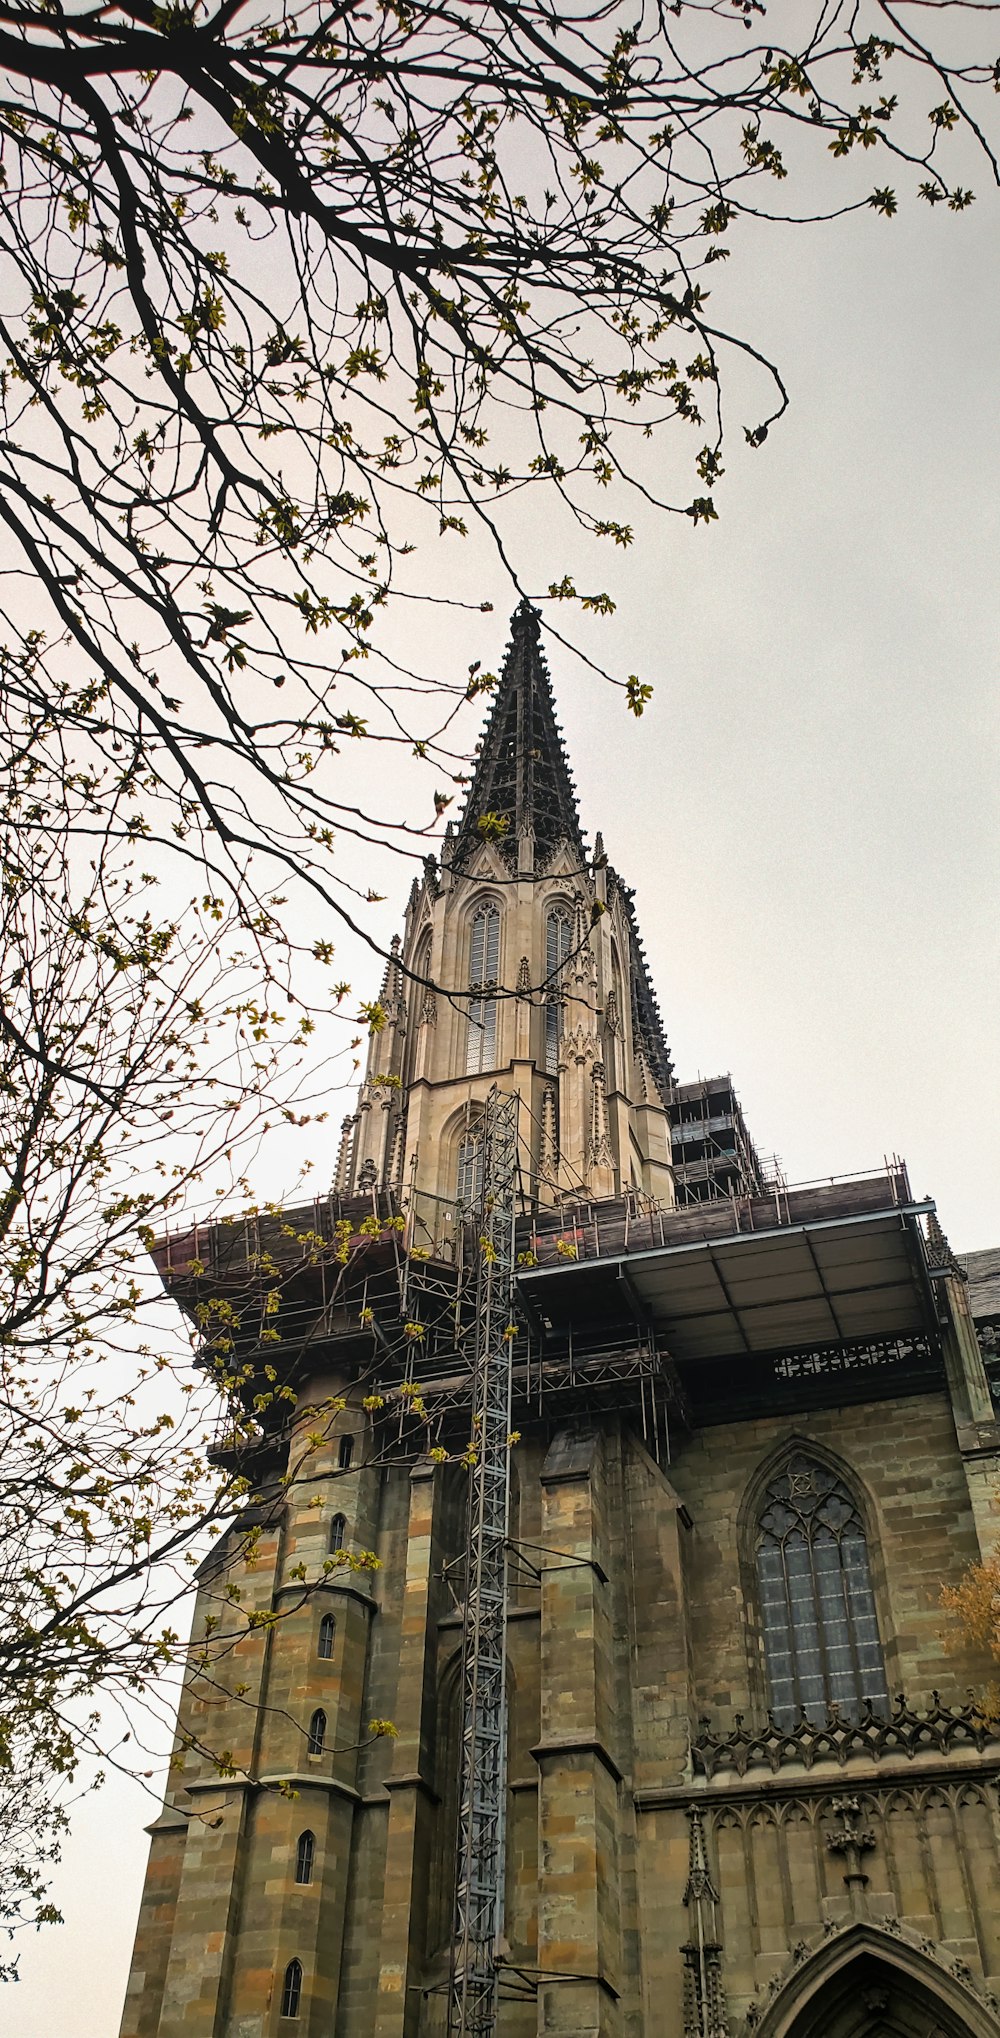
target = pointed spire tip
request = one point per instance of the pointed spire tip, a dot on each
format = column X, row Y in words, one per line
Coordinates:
column 526, row 620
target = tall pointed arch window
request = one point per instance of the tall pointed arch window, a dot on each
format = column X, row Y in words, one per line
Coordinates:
column 558, row 941
column 614, row 1043
column 470, row 1167
column 484, row 976
column 420, row 1000
column 821, row 1639
column 291, row 1989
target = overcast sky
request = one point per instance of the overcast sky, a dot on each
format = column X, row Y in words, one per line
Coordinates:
column 807, row 810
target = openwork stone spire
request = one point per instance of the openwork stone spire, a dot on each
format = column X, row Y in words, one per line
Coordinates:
column 651, row 1044
column 940, row 1257
column 704, row 1995
column 522, row 776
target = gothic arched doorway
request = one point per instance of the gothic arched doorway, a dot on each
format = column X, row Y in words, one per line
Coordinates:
column 867, row 1983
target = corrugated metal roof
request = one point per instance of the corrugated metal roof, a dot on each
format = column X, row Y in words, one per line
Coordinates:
column 983, row 1270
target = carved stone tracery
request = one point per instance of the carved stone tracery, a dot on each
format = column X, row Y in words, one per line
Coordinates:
column 814, row 1807
column 905, row 1731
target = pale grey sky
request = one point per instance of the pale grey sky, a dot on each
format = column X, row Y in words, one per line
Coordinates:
column 807, row 810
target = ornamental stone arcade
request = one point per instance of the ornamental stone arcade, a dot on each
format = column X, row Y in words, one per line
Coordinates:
column 748, row 1793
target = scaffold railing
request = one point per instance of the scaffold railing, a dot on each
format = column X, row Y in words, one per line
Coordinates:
column 480, row 1854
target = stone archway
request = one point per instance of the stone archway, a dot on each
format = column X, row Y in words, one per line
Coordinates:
column 870, row 1999
column 867, row 1982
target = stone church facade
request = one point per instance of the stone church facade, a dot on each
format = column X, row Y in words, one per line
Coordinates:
column 748, row 1795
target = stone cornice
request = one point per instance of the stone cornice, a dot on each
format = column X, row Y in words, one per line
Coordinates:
column 545, row 1751
column 331, row 1784
column 875, row 1780
column 413, row 1780
column 308, row 1591
column 295, row 1779
column 169, row 1821
column 979, row 1440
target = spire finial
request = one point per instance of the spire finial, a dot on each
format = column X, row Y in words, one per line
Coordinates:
column 522, row 777
column 526, row 621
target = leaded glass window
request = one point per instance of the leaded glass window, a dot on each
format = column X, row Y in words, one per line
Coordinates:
column 821, row 1639
column 558, row 937
column 470, row 1169
column 484, row 976
column 304, row 1855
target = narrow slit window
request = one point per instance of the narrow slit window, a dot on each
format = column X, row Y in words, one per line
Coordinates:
column 291, row 1990
column 304, row 1853
column 345, row 1455
column 817, row 1606
column 558, row 939
column 327, row 1632
column 317, row 1733
column 484, row 977
column 338, row 1530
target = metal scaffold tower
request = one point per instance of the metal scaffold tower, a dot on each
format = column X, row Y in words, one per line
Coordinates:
column 473, row 1989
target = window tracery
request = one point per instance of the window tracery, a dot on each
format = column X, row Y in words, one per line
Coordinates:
column 484, row 977
column 470, row 1167
column 821, row 1639
column 421, row 1005
column 558, row 941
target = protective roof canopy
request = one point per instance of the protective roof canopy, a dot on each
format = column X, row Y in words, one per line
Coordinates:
column 826, row 1281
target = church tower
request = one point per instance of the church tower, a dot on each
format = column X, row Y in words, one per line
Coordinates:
column 520, row 961
column 743, row 1790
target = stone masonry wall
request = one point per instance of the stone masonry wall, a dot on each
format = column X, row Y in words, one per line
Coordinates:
column 638, row 1622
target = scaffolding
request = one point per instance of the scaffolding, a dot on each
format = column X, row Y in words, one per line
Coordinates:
column 454, row 1277
column 713, row 1153
column 479, row 1883
column 677, row 1316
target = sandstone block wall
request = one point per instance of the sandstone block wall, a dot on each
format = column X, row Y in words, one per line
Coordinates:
column 632, row 1613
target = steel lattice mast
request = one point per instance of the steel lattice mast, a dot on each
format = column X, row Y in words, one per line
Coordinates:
column 473, row 1992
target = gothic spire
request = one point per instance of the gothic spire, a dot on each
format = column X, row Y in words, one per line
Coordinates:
column 940, row 1258
column 704, row 1994
column 522, row 776
column 650, row 1038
